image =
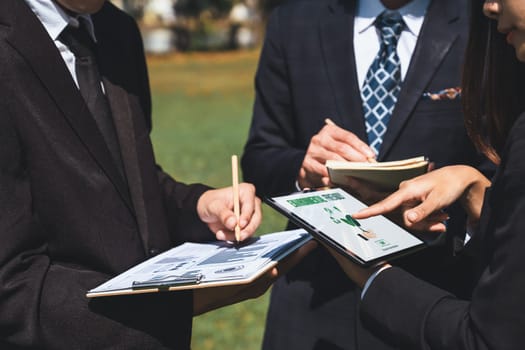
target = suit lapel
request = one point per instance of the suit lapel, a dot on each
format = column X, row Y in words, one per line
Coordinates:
column 45, row 60
column 338, row 51
column 122, row 114
column 435, row 40
column 126, row 112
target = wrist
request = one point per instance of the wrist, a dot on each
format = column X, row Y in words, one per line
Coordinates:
column 202, row 204
column 472, row 198
column 301, row 182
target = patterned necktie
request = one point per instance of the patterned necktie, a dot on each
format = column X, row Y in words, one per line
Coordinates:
column 83, row 47
column 383, row 79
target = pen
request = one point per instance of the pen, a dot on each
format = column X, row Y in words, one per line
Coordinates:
column 236, row 205
column 329, row 121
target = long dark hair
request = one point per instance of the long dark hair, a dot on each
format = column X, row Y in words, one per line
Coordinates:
column 493, row 85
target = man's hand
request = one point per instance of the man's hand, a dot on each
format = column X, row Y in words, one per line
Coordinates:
column 332, row 142
column 207, row 299
column 215, row 207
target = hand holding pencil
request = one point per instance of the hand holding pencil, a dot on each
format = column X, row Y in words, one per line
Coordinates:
column 370, row 156
column 331, row 143
column 232, row 213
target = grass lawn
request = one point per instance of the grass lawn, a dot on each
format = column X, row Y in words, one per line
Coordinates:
column 201, row 113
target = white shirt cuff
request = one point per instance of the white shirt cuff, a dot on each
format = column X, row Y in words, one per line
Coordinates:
column 371, row 279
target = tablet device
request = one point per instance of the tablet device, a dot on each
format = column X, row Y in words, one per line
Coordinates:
column 326, row 215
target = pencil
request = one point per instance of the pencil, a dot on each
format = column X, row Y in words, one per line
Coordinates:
column 236, row 204
column 329, row 121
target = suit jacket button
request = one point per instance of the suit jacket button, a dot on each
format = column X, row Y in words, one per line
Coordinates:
column 153, row 251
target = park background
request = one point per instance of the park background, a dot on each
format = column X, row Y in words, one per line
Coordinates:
column 202, row 66
column 201, row 113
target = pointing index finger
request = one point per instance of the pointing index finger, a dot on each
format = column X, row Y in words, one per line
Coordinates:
column 390, row 203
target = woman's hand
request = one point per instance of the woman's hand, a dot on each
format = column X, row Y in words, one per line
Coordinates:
column 422, row 199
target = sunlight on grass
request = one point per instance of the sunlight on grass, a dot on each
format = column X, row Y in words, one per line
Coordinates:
column 201, row 113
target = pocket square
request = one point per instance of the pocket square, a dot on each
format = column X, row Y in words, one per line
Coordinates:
column 445, row 94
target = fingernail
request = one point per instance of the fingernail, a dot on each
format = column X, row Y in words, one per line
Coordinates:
column 220, row 235
column 243, row 222
column 412, row 216
column 369, row 153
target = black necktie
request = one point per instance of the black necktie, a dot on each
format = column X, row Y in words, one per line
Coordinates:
column 82, row 46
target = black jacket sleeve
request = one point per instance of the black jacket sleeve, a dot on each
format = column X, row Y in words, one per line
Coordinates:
column 404, row 309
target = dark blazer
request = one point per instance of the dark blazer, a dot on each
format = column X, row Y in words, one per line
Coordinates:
column 68, row 220
column 307, row 73
column 420, row 316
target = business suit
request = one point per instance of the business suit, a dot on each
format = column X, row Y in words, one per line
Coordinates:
column 307, row 73
column 420, row 316
column 68, row 219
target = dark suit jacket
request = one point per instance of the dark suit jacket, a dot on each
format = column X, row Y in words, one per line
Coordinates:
column 68, row 220
column 307, row 73
column 420, row 316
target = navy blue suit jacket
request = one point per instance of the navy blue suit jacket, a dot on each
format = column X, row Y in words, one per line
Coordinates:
column 307, row 73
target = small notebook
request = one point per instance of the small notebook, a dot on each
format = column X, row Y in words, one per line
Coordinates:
column 326, row 214
column 385, row 175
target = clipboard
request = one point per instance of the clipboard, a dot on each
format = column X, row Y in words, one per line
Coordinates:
column 204, row 265
column 326, row 215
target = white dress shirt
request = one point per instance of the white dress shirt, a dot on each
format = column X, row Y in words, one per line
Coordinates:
column 367, row 38
column 55, row 20
column 367, row 41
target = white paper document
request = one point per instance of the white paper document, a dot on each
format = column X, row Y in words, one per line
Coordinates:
column 198, row 265
column 327, row 215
